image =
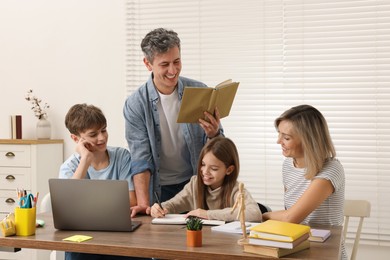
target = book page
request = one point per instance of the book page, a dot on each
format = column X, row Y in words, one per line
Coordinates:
column 223, row 83
column 225, row 98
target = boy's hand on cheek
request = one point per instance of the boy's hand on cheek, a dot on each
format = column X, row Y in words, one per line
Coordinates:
column 89, row 146
column 84, row 148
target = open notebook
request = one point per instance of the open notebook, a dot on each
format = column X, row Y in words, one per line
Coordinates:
column 180, row 219
column 234, row 227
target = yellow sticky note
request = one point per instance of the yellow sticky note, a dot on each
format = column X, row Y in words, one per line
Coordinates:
column 77, row 238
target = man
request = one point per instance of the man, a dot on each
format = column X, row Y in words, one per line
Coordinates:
column 163, row 152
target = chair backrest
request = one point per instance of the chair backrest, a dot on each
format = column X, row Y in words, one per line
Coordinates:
column 45, row 205
column 355, row 208
column 264, row 208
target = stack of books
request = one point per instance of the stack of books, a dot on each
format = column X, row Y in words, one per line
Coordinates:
column 276, row 238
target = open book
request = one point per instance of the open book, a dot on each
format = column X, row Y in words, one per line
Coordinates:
column 198, row 100
column 180, row 219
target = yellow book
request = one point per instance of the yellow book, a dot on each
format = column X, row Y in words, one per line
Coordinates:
column 278, row 231
column 275, row 251
column 198, row 100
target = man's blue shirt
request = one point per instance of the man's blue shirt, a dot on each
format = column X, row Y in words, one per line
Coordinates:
column 143, row 132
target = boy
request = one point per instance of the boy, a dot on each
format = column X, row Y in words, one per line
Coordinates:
column 93, row 158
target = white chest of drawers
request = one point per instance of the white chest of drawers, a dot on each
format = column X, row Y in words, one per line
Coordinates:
column 26, row 164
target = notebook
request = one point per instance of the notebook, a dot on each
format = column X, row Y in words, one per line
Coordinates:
column 234, row 227
column 93, row 205
column 180, row 219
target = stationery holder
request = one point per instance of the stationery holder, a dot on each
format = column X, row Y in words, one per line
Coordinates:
column 8, row 225
column 25, row 221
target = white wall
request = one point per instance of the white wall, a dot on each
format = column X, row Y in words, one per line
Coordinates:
column 68, row 52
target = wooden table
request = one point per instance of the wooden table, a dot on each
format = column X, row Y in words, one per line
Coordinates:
column 160, row 241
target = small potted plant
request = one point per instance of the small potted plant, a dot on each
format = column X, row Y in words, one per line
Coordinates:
column 194, row 231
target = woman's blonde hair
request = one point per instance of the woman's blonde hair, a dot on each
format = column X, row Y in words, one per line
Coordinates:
column 311, row 127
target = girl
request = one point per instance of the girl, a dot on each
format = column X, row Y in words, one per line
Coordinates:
column 212, row 192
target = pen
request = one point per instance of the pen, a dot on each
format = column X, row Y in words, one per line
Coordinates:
column 158, row 201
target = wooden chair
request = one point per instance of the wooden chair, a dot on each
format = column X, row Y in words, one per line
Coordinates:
column 355, row 208
column 45, row 205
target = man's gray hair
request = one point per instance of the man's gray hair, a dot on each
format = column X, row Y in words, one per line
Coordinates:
column 158, row 41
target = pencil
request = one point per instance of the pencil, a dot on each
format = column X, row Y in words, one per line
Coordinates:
column 36, row 199
column 158, row 200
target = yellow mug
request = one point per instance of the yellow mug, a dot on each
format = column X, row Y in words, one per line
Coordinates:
column 25, row 221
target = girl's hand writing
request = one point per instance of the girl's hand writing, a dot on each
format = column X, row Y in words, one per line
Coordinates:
column 157, row 212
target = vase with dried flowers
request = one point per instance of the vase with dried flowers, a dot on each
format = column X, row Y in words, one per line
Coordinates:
column 43, row 130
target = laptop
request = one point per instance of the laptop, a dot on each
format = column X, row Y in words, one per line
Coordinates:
column 92, row 205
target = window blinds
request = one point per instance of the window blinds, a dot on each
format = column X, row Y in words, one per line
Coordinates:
column 334, row 55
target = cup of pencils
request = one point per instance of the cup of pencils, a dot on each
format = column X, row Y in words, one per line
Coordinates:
column 25, row 213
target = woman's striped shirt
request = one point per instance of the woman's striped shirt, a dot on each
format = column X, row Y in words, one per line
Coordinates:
column 331, row 211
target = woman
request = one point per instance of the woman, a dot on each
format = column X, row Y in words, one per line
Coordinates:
column 313, row 178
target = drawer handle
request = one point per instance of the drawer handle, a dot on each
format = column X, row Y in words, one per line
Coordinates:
column 10, row 178
column 10, row 200
column 10, row 154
